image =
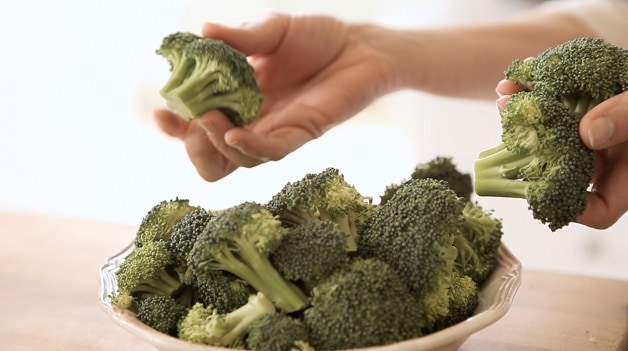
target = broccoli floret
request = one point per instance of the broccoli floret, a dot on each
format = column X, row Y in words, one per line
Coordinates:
column 322, row 196
column 223, row 291
column 160, row 220
column 441, row 168
column 365, row 303
column 162, row 313
column 463, row 300
column 277, row 332
column 477, row 242
column 414, row 233
column 207, row 74
column 183, row 237
column 239, row 240
column 204, row 325
column 541, row 157
column 145, row 272
column 310, row 252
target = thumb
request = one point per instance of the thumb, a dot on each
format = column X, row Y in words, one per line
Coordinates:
column 252, row 38
column 606, row 124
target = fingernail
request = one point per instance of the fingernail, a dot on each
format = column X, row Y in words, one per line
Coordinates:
column 600, row 132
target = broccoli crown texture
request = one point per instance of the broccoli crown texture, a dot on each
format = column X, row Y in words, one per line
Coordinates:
column 204, row 325
column 477, row 242
column 276, row 332
column 463, row 300
column 441, row 168
column 223, row 291
column 160, row 220
column 207, row 74
column 363, row 304
column 239, row 240
column 580, row 72
column 541, row 159
column 310, row 251
column 322, row 196
column 184, row 234
column 145, row 272
column 414, row 233
column 162, row 313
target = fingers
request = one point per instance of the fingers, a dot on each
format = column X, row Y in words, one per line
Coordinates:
column 606, row 124
column 261, row 37
column 608, row 200
column 170, row 123
column 507, row 87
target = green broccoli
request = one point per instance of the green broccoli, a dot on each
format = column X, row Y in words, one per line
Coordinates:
column 322, row 196
column 541, row 157
column 162, row 313
column 477, row 242
column 183, row 237
column 277, row 332
column 441, row 168
column 222, row 290
column 464, row 297
column 204, row 325
column 365, row 303
column 239, row 240
column 207, row 74
column 160, row 220
column 146, row 272
column 310, row 252
column 414, row 233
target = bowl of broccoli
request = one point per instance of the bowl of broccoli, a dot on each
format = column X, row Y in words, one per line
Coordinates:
column 319, row 266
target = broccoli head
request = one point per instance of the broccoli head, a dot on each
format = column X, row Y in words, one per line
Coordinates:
column 414, row 233
column 162, row 313
column 365, row 303
column 477, row 242
column 207, row 74
column 160, row 220
column 146, row 272
column 204, row 325
column 277, row 332
column 240, row 240
column 310, row 252
column 541, row 157
column 222, row 290
column 441, row 168
column 183, row 237
column 464, row 297
column 322, row 196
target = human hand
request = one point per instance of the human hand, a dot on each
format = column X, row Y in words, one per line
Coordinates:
column 314, row 72
column 603, row 129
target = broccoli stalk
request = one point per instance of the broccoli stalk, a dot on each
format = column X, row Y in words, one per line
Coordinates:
column 239, row 240
column 541, row 157
column 207, row 74
column 204, row 325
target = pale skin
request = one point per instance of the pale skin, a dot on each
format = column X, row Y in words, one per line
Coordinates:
column 316, row 72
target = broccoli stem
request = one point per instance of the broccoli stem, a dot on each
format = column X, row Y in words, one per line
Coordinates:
column 162, row 284
column 497, row 172
column 257, row 270
column 240, row 319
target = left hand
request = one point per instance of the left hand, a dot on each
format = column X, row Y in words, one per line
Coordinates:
column 604, row 129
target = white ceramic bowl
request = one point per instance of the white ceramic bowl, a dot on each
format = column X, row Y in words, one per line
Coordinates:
column 496, row 297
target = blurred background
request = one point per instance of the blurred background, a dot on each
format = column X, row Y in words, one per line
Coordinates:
column 79, row 81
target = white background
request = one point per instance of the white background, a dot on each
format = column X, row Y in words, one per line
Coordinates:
column 79, row 81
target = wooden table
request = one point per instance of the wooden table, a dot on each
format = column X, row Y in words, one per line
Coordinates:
column 49, row 288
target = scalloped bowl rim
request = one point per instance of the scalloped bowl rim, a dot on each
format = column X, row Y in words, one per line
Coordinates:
column 496, row 297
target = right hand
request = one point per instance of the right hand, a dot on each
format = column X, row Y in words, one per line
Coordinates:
column 314, row 72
